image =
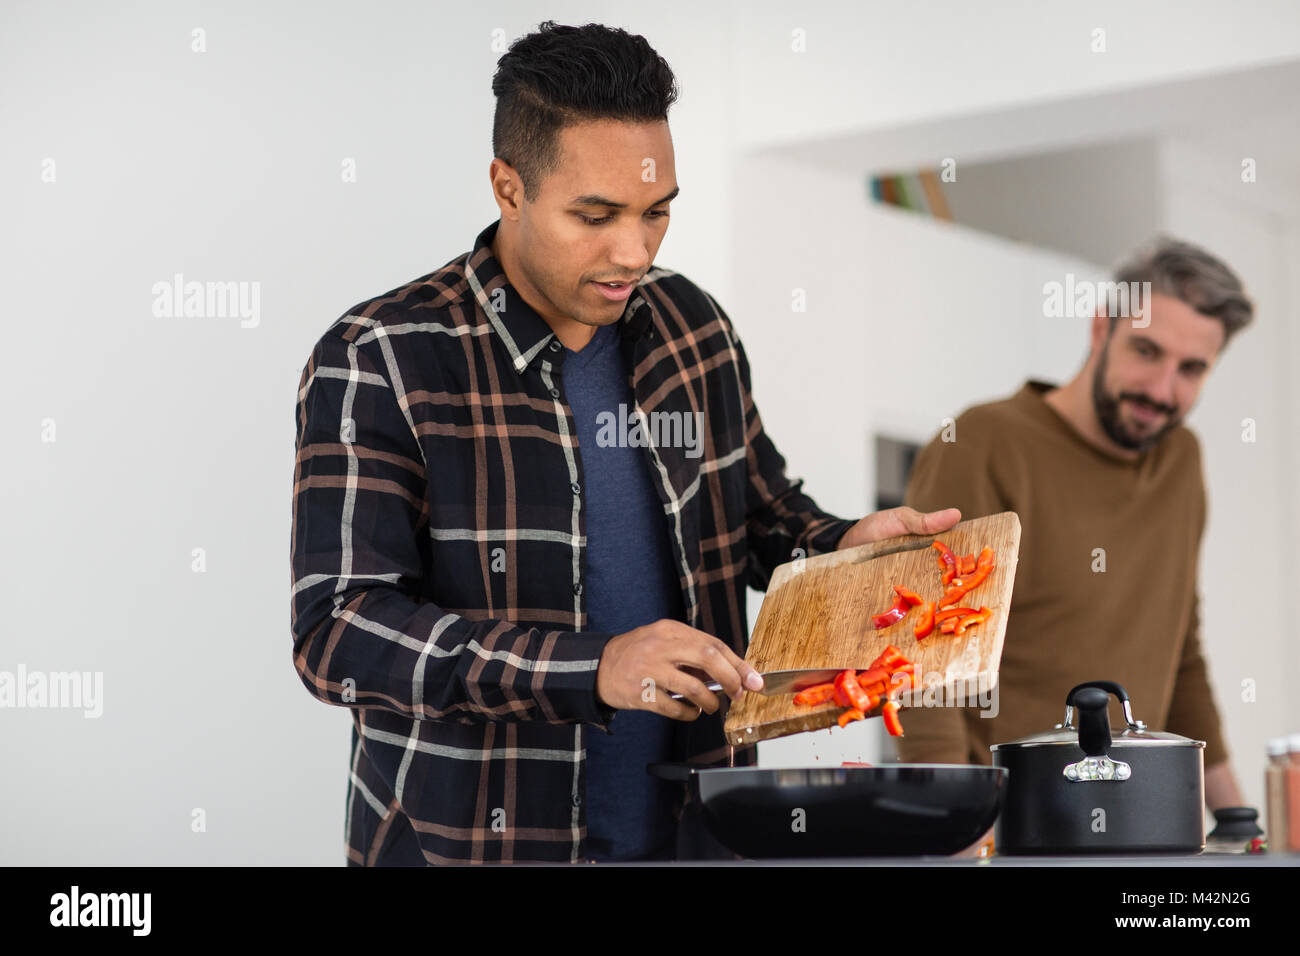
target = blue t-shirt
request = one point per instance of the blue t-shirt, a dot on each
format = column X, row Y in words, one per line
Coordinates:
column 630, row 579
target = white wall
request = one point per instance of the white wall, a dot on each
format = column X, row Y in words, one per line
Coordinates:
column 1247, row 592
column 888, row 64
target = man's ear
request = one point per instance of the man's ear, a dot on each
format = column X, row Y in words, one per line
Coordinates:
column 507, row 187
column 1099, row 332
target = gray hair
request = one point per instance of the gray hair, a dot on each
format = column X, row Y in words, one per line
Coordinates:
column 1192, row 275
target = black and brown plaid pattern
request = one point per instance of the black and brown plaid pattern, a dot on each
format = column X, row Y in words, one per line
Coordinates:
column 438, row 543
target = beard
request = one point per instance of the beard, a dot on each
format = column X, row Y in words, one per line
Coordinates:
column 1107, row 406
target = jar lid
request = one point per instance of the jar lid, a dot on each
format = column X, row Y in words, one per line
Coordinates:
column 1276, row 747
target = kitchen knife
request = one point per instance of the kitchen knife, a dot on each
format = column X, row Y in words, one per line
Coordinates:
column 784, row 682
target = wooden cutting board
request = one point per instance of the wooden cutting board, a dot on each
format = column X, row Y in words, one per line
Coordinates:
column 818, row 615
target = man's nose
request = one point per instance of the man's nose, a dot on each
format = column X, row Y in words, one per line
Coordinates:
column 1161, row 389
column 631, row 251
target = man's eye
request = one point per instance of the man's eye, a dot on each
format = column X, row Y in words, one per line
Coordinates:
column 604, row 219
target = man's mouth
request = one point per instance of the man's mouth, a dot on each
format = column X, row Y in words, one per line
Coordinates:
column 614, row 291
column 1145, row 413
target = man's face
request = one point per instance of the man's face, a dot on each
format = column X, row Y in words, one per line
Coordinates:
column 599, row 217
column 1147, row 379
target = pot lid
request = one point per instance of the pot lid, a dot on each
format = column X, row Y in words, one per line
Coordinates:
column 1063, row 735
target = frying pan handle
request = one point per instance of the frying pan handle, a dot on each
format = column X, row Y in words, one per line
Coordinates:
column 1110, row 687
column 668, row 770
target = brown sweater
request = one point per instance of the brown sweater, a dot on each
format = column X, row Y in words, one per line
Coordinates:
column 1136, row 623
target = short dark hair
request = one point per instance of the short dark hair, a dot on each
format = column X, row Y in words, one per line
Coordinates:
column 1192, row 275
column 562, row 75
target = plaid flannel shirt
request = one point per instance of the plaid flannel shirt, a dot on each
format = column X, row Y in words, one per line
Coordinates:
column 438, row 543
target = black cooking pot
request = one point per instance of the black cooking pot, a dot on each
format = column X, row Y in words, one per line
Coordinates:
column 892, row 810
column 1088, row 790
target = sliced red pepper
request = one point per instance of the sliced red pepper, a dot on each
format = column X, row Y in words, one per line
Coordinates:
column 873, row 675
column 966, row 564
column 947, row 561
column 925, row 624
column 892, row 723
column 848, row 683
column 901, row 681
column 841, row 693
column 850, row 715
column 941, row 616
column 888, row 657
column 894, row 614
column 979, row 617
column 985, row 558
column 908, row 595
column 948, row 626
column 817, row 694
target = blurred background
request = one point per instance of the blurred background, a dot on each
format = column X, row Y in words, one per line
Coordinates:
column 324, row 153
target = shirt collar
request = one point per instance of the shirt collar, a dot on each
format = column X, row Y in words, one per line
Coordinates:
column 524, row 333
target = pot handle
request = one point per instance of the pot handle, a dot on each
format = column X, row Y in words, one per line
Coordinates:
column 1093, row 701
column 1094, row 720
column 1110, row 687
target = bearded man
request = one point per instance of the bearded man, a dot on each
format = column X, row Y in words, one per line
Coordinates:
column 1108, row 485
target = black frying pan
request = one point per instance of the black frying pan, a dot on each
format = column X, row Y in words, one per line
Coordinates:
column 890, row 810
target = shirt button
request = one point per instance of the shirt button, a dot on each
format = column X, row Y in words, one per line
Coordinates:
column 555, row 345
column 555, row 393
column 577, row 800
column 577, row 488
column 577, row 587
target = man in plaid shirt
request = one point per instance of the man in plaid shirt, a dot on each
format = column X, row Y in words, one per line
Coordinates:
column 531, row 489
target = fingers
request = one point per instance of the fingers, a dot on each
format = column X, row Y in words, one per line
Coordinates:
column 929, row 522
column 693, row 691
column 718, row 661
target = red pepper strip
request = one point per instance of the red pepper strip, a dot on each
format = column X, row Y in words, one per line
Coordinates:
column 848, row 680
column 985, row 558
column 889, row 656
column 925, row 624
column 966, row 564
column 948, row 626
column 877, row 689
column 901, row 681
column 941, row 616
column 893, row 615
column 979, row 617
column 818, row 694
column 908, row 595
column 873, row 676
column 850, row 715
column 841, row 692
column 892, row 723
column 947, row 561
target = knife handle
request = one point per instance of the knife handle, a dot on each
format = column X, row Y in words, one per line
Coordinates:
column 711, row 685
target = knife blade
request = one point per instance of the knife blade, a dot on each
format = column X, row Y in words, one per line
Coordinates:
column 785, row 682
